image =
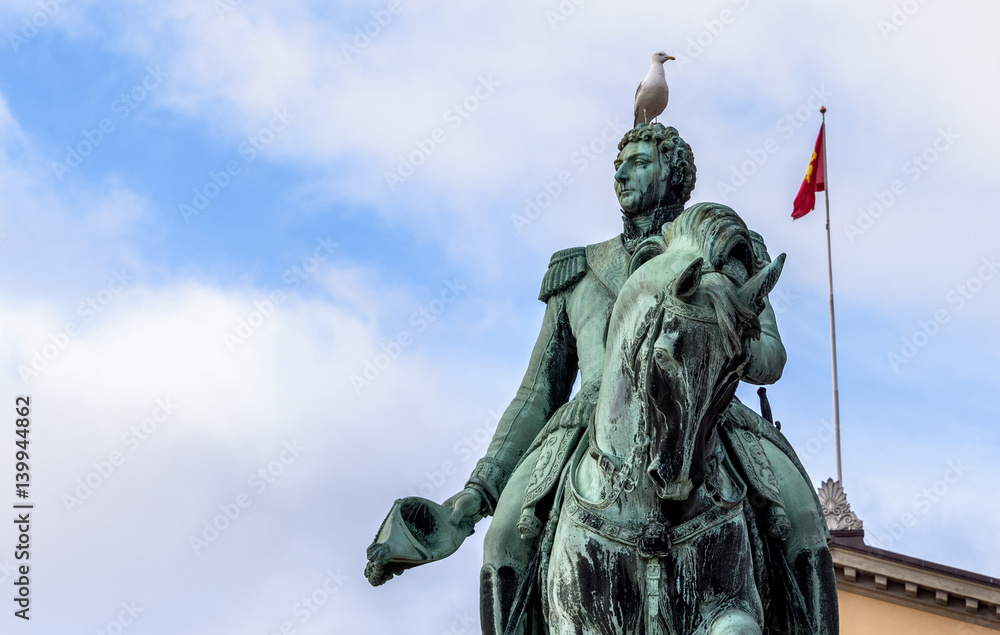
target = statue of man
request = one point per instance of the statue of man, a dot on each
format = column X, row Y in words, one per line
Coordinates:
column 654, row 177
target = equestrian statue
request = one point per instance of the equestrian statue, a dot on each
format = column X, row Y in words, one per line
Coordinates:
column 650, row 501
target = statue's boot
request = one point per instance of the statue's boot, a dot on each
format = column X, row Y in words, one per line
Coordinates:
column 795, row 527
column 497, row 588
column 814, row 573
column 805, row 549
column 506, row 558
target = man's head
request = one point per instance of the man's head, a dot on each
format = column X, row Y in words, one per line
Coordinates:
column 655, row 167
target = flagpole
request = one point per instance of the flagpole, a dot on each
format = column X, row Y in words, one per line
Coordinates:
column 833, row 325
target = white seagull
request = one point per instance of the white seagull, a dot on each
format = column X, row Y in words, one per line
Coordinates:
column 652, row 94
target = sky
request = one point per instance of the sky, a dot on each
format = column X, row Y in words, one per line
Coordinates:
column 268, row 267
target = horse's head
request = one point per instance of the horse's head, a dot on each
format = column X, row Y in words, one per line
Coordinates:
column 700, row 298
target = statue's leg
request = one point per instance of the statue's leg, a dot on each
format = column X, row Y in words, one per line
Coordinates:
column 505, row 555
column 805, row 550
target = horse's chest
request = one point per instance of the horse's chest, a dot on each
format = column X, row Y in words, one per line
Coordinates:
column 650, row 578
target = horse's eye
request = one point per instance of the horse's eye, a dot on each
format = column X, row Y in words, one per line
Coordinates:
column 667, row 346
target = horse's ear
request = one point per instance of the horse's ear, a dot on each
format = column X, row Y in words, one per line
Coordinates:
column 687, row 283
column 754, row 290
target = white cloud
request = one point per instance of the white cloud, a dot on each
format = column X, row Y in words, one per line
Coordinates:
column 223, row 416
column 61, row 239
column 558, row 82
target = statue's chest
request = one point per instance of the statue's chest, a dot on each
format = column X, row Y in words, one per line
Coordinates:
column 589, row 309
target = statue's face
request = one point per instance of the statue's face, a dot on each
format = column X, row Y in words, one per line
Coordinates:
column 641, row 178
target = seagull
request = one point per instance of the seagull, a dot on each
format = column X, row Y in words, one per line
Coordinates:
column 652, row 93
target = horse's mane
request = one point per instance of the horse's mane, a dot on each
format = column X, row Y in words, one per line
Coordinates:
column 723, row 240
column 721, row 233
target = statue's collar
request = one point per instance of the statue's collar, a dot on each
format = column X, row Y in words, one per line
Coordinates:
column 609, row 260
column 633, row 234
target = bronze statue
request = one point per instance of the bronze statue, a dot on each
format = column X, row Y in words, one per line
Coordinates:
column 653, row 516
column 544, row 435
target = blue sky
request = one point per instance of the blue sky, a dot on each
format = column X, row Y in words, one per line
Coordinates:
column 233, row 334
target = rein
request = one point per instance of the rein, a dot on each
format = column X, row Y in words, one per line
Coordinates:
column 655, row 539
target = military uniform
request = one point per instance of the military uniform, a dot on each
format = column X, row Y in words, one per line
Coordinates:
column 542, row 426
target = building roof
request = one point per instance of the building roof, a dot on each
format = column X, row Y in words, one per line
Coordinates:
column 893, row 577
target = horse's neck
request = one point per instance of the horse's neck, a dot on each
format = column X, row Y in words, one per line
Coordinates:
column 619, row 406
column 619, row 419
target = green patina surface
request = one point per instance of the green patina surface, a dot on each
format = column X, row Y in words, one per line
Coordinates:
column 520, row 480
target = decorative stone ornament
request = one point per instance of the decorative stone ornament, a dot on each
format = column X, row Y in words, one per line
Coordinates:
column 836, row 509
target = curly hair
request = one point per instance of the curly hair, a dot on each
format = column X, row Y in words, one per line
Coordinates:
column 674, row 151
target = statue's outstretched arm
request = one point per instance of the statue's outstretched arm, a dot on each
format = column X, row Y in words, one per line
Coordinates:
column 546, row 386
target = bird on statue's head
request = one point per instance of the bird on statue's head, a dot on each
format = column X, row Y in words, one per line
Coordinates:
column 652, row 94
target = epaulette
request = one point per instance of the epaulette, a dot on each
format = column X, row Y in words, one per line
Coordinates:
column 565, row 269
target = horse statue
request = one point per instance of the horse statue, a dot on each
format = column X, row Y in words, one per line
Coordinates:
column 652, row 535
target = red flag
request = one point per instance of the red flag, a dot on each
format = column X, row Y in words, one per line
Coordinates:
column 815, row 180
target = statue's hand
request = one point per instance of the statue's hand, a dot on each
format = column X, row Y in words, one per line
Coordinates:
column 467, row 505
